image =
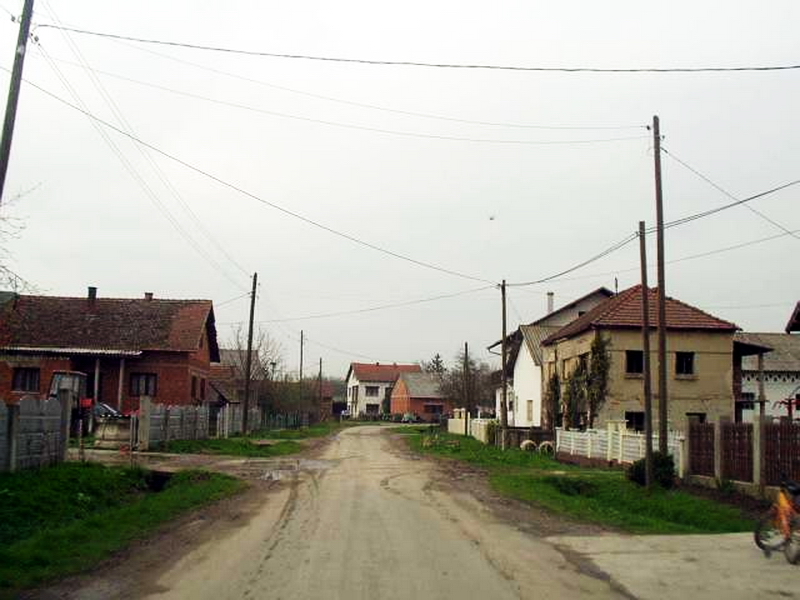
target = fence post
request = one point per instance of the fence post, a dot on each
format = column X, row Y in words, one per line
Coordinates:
column 610, row 442
column 13, row 435
column 145, row 414
column 64, row 400
column 621, row 452
column 166, row 424
column 718, row 437
column 758, row 452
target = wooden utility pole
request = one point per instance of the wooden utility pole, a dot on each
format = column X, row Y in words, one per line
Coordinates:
column 648, row 393
column 662, row 298
column 13, row 91
column 466, row 375
column 249, row 363
column 504, row 383
column 320, row 388
column 302, row 343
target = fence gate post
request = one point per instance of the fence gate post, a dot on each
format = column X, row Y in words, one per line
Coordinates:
column 621, row 452
column 145, row 414
column 13, row 435
column 65, row 401
column 758, row 452
column 718, row 437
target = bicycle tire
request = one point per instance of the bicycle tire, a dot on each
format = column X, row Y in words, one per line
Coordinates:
column 791, row 548
column 767, row 534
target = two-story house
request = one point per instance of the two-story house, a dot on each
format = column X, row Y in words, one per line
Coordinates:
column 369, row 386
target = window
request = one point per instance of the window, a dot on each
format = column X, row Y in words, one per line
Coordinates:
column 433, row 409
column 696, row 417
column 684, row 363
column 635, row 420
column 26, row 380
column 372, row 409
column 143, row 384
column 530, row 410
column 747, row 401
column 194, row 386
column 202, row 389
column 371, row 391
column 354, row 392
column 634, row 362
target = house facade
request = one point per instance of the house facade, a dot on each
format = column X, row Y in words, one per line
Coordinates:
column 777, row 376
column 369, row 386
column 525, row 362
column 128, row 348
column 418, row 394
column 700, row 361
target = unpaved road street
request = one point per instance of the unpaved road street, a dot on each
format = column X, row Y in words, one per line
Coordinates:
column 365, row 519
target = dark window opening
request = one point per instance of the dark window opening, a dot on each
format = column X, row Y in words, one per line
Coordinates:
column 684, row 363
column 194, row 386
column 696, row 417
column 202, row 389
column 371, row 391
column 433, row 409
column 635, row 420
column 26, row 379
column 634, row 362
column 143, row 384
column 372, row 409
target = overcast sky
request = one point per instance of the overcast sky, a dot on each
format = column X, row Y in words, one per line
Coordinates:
column 350, row 147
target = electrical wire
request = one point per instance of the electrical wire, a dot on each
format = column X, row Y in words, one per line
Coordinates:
column 408, row 63
column 233, row 300
column 253, row 196
column 724, row 191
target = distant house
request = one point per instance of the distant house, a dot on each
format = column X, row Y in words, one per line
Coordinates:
column 780, row 374
column 418, row 393
column 228, row 376
column 700, row 360
column 525, row 363
column 369, row 386
column 128, row 347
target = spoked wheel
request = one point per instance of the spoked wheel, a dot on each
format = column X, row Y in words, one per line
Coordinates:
column 768, row 535
column 792, row 547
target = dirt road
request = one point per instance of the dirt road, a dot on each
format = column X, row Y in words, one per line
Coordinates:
column 363, row 520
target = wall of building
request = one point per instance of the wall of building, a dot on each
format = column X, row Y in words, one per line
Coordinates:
column 777, row 386
column 708, row 392
column 357, row 401
column 46, row 365
column 527, row 390
column 400, row 400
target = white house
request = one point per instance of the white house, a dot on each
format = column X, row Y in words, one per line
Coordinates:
column 781, row 375
column 524, row 363
column 369, row 386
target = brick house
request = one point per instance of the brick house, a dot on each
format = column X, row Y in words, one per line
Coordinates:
column 418, row 393
column 369, row 386
column 700, row 359
column 127, row 347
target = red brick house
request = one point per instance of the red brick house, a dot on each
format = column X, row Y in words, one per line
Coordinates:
column 127, row 347
column 418, row 393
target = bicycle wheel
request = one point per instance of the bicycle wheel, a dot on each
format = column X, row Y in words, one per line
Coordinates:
column 792, row 547
column 768, row 535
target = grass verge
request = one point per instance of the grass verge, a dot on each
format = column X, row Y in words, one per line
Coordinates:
column 64, row 519
column 237, row 446
column 602, row 496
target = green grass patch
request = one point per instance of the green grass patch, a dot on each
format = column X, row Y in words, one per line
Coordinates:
column 412, row 429
column 314, row 431
column 64, row 519
column 596, row 495
column 237, row 446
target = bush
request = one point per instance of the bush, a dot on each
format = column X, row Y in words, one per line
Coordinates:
column 491, row 432
column 663, row 471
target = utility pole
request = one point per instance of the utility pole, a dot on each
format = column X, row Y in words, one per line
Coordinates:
column 13, row 92
column 466, row 375
column 302, row 343
column 648, row 393
column 320, row 388
column 662, row 298
column 504, row 405
column 249, row 362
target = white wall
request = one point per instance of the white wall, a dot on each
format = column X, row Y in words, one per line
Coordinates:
column 527, row 387
column 498, row 402
column 359, row 405
column 777, row 386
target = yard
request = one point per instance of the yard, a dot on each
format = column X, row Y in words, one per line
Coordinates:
column 64, row 519
column 602, row 496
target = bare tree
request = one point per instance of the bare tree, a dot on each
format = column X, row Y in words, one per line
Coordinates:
column 266, row 360
column 11, row 227
column 468, row 388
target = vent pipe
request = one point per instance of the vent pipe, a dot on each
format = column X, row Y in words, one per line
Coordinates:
column 550, row 306
column 92, row 295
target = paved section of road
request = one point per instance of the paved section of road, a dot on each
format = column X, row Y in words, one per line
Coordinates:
column 672, row 567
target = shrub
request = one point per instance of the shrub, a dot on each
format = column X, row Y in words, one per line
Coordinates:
column 663, row 471
column 491, row 432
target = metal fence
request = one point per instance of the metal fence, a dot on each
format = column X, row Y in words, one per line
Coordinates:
column 737, row 451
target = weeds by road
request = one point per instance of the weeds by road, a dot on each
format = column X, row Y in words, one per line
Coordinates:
column 602, row 496
column 63, row 519
column 238, row 446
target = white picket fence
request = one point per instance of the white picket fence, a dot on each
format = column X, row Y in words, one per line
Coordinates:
column 620, row 446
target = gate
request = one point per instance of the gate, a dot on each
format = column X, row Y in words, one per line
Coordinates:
column 781, row 452
column 701, row 449
column 737, row 451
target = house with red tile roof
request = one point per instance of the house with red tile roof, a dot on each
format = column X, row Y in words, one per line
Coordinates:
column 128, row 347
column 369, row 386
column 700, row 362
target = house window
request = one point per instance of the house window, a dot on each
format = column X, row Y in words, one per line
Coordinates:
column 530, row 410
column 143, row 384
column 202, row 389
column 634, row 362
column 194, row 386
column 696, row 417
column 372, row 409
column 433, row 409
column 747, row 401
column 684, row 363
column 635, row 420
column 371, row 391
column 354, row 392
column 26, row 380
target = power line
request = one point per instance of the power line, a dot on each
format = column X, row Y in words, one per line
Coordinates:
column 377, row 107
column 246, row 294
column 244, row 192
column 412, row 134
column 408, row 63
column 724, row 191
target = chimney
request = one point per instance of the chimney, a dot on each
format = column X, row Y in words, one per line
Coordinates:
column 550, row 307
column 148, row 296
column 92, row 293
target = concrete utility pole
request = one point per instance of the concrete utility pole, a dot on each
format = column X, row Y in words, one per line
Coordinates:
column 662, row 297
column 302, row 343
column 13, row 92
column 249, row 362
column 466, row 375
column 648, row 393
column 320, row 386
column 504, row 405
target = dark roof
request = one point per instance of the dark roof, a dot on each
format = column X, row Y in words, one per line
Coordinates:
column 783, row 357
column 602, row 291
column 624, row 311
column 794, row 320
column 379, row 372
column 108, row 324
column 422, row 385
column 534, row 335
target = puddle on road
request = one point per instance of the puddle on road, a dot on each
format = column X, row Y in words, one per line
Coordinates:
column 292, row 468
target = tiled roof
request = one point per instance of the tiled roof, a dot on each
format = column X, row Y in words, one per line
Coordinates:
column 379, row 372
column 107, row 324
column 625, row 311
column 794, row 320
column 422, row 385
column 784, row 356
column 534, row 335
